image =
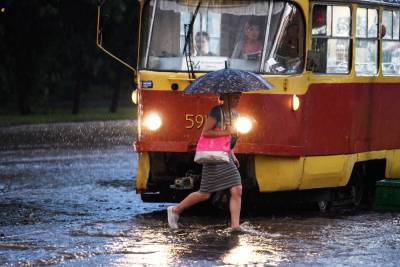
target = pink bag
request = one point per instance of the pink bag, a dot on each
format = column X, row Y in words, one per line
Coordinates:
column 213, row 149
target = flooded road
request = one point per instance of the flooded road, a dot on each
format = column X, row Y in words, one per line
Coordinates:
column 67, row 199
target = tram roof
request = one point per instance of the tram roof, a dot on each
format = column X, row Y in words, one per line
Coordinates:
column 395, row 3
column 367, row 2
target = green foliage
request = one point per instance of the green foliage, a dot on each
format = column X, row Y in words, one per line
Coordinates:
column 47, row 50
column 88, row 114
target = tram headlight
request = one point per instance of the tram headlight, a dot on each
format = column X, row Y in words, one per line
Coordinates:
column 152, row 122
column 244, row 125
column 135, row 97
column 295, row 102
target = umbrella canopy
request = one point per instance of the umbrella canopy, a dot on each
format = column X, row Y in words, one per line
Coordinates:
column 227, row 81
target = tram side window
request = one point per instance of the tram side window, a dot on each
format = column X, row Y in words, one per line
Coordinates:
column 366, row 42
column 391, row 43
column 331, row 39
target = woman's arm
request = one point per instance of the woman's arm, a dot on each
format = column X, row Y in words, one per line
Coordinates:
column 208, row 129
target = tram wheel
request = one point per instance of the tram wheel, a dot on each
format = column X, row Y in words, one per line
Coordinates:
column 357, row 193
column 220, row 200
column 357, row 185
column 324, row 205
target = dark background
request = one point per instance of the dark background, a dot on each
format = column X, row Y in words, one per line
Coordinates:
column 49, row 59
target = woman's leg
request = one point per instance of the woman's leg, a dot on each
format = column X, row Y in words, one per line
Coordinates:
column 235, row 203
column 190, row 200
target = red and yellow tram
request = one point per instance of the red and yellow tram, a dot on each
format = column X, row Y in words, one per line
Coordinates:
column 331, row 123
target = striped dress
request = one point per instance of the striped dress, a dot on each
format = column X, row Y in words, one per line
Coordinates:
column 217, row 177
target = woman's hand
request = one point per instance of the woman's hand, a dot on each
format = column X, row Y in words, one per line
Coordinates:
column 235, row 160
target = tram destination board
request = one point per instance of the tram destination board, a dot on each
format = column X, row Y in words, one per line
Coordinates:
column 384, row 1
column 394, row 2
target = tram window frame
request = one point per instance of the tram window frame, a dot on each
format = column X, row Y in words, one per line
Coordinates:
column 322, row 41
column 145, row 37
column 390, row 38
column 365, row 36
column 285, row 54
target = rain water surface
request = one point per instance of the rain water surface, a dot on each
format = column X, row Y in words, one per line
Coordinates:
column 67, row 199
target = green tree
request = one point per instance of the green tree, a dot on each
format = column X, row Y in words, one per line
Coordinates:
column 49, row 56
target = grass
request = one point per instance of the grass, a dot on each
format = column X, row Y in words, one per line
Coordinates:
column 87, row 114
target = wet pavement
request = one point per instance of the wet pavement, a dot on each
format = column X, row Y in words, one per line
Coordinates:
column 67, row 199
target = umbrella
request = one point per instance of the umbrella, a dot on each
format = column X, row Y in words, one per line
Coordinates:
column 227, row 81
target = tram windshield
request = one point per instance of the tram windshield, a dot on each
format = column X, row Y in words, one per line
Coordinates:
column 260, row 36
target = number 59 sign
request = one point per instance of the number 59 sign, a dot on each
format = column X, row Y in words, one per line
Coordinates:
column 195, row 121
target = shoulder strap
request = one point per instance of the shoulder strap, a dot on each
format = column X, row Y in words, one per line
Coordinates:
column 222, row 118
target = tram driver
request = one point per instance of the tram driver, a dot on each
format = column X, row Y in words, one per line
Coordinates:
column 289, row 53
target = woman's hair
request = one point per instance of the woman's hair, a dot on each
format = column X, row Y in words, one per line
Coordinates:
column 253, row 21
column 203, row 34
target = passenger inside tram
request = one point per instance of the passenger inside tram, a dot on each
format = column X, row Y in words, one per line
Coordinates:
column 250, row 47
column 202, row 44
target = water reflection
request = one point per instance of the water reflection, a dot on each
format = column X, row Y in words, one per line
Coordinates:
column 241, row 252
column 156, row 253
column 151, row 242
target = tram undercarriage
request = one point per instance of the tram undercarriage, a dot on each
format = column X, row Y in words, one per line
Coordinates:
column 174, row 175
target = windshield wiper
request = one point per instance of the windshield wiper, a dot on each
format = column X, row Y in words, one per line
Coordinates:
column 187, row 49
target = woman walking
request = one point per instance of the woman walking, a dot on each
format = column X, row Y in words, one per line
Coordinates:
column 217, row 177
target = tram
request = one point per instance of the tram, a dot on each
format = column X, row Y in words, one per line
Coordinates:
column 330, row 126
